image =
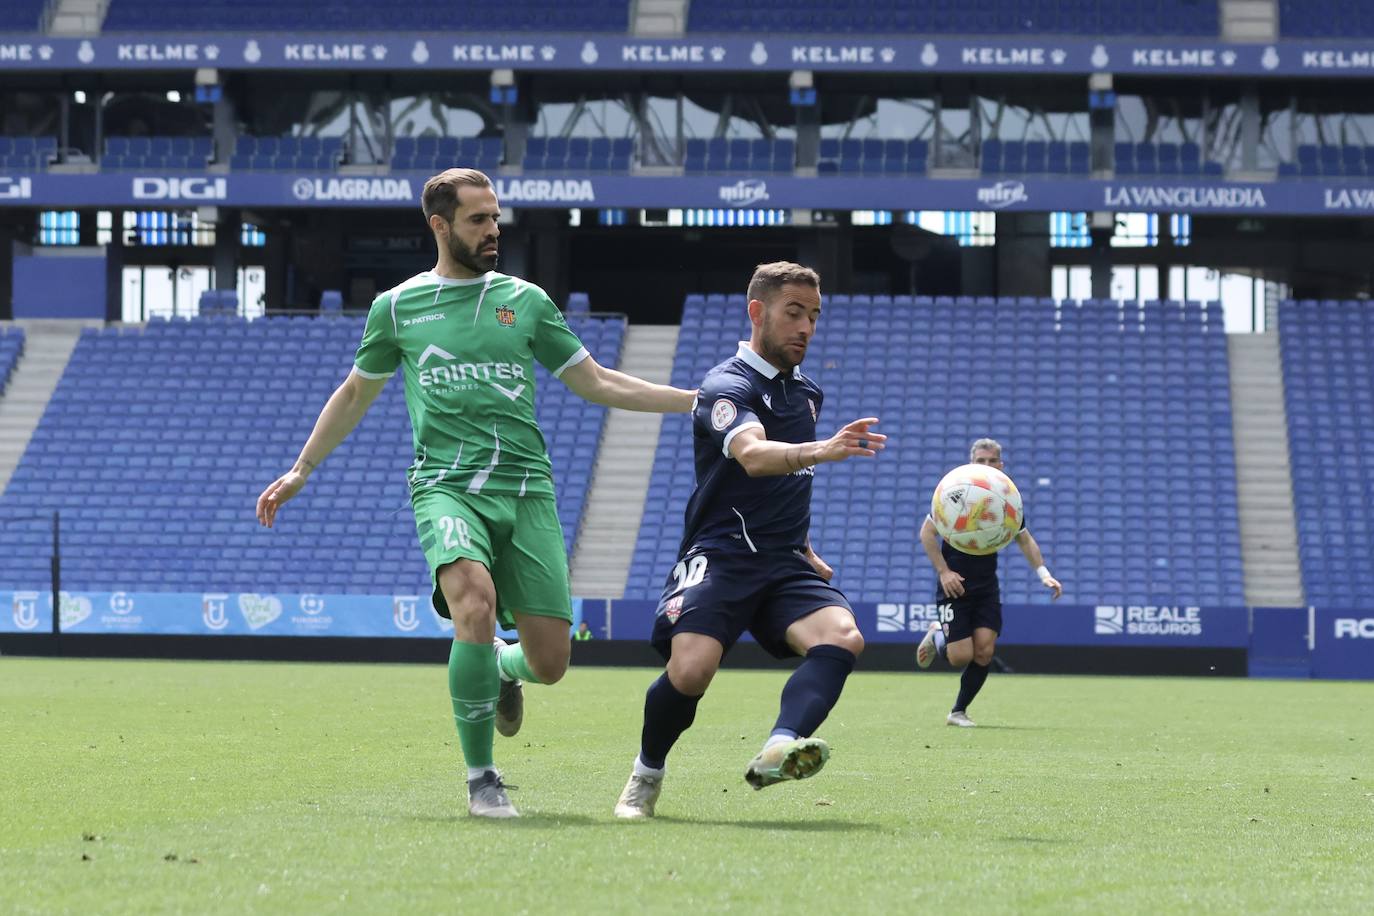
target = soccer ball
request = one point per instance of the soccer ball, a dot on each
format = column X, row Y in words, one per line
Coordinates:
column 977, row 509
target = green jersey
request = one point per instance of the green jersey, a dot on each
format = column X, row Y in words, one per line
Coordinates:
column 466, row 349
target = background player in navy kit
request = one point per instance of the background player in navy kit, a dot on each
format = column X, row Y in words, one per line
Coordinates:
column 971, row 600
column 746, row 561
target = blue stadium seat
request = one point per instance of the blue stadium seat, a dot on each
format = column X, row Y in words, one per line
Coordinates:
column 979, row 17
column 1328, row 378
column 1124, row 158
column 252, row 387
column 356, row 16
column 1122, row 395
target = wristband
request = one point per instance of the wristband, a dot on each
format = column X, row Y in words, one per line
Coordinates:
column 1043, row 572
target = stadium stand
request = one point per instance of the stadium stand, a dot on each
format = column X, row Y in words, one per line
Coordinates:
column 719, row 154
column 579, row 154
column 1163, row 159
column 27, row 154
column 438, row 153
column 1092, row 386
column 11, row 348
column 257, row 16
column 1035, row 157
column 1326, row 18
column 265, row 154
column 1328, row 376
column 157, row 152
column 21, row 15
column 1330, row 162
column 156, row 473
column 872, row 157
column 974, row 17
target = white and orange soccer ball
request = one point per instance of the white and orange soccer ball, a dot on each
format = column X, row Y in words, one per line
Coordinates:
column 977, row 509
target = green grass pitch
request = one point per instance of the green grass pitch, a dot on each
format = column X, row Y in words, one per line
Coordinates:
column 137, row 787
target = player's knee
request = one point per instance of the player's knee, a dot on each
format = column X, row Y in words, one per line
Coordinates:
column 469, row 608
column 983, row 654
column 690, row 677
column 549, row 664
column 959, row 656
column 850, row 639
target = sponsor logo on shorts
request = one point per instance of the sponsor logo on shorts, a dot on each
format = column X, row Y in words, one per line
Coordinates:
column 723, row 413
column 672, row 609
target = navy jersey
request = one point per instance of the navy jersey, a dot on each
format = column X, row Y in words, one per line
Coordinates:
column 729, row 509
column 980, row 573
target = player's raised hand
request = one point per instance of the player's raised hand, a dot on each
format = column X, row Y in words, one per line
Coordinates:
column 281, row 490
column 853, row 439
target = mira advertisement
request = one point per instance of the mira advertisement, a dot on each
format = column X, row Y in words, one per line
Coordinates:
column 559, row 190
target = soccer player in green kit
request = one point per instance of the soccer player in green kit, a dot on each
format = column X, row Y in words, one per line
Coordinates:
column 465, row 339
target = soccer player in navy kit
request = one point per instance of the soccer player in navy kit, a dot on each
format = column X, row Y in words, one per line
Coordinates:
column 970, row 599
column 746, row 561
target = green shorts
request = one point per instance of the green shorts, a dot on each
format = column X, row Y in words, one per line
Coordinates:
column 517, row 538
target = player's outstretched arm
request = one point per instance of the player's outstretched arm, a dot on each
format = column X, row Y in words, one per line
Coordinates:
column 1036, row 559
column 341, row 413
column 950, row 581
column 762, row 458
column 593, row 382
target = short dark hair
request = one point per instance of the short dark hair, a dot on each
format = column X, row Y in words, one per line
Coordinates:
column 441, row 192
column 769, row 278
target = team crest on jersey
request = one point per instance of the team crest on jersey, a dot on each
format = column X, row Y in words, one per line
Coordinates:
column 505, row 315
column 722, row 413
column 812, row 405
column 673, row 609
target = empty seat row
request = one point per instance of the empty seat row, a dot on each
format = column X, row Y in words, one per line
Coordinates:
column 1163, row 159
column 1035, row 157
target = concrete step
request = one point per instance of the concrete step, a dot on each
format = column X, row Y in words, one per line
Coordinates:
column 1264, row 482
column 620, row 481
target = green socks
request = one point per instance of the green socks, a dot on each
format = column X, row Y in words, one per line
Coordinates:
column 473, row 685
column 513, row 664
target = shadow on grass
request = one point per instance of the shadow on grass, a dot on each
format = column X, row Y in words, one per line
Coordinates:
column 536, row 820
column 1017, row 728
column 825, row 826
column 526, row 819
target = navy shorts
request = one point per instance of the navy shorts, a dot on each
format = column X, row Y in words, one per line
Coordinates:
column 961, row 616
column 723, row 594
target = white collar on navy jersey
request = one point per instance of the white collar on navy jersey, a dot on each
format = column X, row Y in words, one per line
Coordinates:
column 761, row 365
